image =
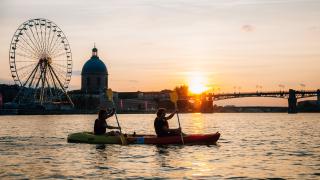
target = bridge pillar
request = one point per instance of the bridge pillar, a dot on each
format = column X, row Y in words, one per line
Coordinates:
column 292, row 102
column 207, row 104
column 318, row 97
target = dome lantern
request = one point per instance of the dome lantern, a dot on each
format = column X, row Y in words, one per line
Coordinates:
column 94, row 50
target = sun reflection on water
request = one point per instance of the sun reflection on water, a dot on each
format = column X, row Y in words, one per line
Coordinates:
column 197, row 123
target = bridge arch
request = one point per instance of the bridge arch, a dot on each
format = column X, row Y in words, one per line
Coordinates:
column 227, row 98
column 292, row 96
column 252, row 101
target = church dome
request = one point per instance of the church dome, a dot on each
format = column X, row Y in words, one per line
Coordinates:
column 94, row 65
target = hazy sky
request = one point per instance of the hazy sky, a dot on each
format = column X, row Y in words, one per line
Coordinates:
column 157, row 44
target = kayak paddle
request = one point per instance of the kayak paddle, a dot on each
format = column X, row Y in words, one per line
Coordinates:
column 174, row 99
column 110, row 97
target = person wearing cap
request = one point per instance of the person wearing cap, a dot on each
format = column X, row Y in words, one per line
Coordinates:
column 161, row 124
column 100, row 124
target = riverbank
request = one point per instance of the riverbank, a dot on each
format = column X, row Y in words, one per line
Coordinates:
column 228, row 109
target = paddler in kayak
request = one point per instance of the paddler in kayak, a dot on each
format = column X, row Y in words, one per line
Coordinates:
column 161, row 124
column 100, row 124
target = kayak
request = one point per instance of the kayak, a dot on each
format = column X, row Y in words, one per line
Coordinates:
column 191, row 139
column 89, row 137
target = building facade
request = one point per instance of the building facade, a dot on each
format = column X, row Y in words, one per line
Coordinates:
column 94, row 74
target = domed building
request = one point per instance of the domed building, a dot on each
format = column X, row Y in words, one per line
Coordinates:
column 94, row 74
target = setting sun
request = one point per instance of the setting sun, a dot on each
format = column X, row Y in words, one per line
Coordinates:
column 197, row 83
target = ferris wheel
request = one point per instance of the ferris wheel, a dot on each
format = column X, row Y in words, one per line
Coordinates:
column 40, row 62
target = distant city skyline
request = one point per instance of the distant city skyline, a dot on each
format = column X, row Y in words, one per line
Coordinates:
column 149, row 45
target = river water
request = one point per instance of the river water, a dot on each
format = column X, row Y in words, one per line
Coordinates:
column 251, row 146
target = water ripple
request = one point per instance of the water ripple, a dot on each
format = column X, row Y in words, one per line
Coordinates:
column 252, row 146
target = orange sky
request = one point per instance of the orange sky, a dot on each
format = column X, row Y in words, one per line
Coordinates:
column 153, row 45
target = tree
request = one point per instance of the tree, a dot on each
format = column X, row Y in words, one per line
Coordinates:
column 182, row 91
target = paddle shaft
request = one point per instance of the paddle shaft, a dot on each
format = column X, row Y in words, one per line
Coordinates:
column 179, row 125
column 115, row 113
column 178, row 120
column 122, row 138
column 110, row 96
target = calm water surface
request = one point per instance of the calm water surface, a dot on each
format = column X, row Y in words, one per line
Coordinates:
column 251, row 146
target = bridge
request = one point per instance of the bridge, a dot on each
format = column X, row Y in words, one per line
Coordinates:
column 291, row 95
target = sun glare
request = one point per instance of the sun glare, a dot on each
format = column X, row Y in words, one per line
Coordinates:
column 197, row 83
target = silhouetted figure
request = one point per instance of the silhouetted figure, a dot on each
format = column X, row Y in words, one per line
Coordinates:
column 100, row 124
column 161, row 124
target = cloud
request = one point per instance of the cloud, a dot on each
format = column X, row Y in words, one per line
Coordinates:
column 126, row 81
column 248, row 28
column 314, row 28
column 76, row 73
column 257, row 2
column 6, row 81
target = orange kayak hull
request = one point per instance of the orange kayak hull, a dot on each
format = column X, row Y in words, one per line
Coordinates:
column 194, row 139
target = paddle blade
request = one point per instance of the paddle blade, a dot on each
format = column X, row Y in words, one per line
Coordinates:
column 174, row 97
column 123, row 140
column 110, row 94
